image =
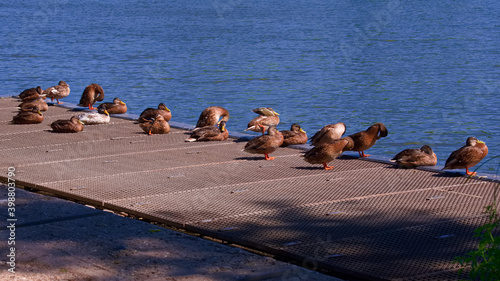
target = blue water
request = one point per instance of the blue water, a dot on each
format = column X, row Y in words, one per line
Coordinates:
column 429, row 71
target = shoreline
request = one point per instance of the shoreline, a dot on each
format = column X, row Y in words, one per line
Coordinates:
column 245, row 137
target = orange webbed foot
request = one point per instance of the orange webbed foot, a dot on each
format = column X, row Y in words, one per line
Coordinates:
column 362, row 154
column 327, row 167
column 263, row 128
column 269, row 158
column 471, row 174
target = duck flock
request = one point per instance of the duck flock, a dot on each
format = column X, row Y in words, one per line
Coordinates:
column 327, row 144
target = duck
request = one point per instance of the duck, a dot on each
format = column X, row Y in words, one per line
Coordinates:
column 467, row 156
column 209, row 133
column 92, row 94
column 267, row 117
column 328, row 134
column 327, row 152
column 115, row 107
column 57, row 92
column 210, row 116
column 33, row 116
column 365, row 139
column 73, row 125
column 150, row 113
column 411, row 157
column 157, row 126
column 265, row 144
column 296, row 135
column 31, row 94
column 93, row 118
column 39, row 102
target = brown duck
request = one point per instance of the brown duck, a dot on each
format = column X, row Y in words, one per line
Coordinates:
column 150, row 113
column 265, row 144
column 73, row 125
column 210, row 116
column 115, row 107
column 39, row 102
column 31, row 94
column 57, row 92
column 328, row 134
column 92, row 94
column 210, row 133
column 294, row 136
column 157, row 126
column 467, row 156
column 33, row 116
column 411, row 157
column 365, row 139
column 267, row 117
column 327, row 152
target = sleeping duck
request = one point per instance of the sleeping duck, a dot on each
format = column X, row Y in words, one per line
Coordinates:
column 210, row 116
column 328, row 134
column 294, row 136
column 327, row 152
column 57, row 92
column 265, row 144
column 210, row 133
column 31, row 94
column 267, row 117
column 467, row 156
column 33, row 116
column 150, row 113
column 115, row 107
column 94, row 118
column 73, row 125
column 365, row 139
column 39, row 102
column 92, row 94
column 157, row 126
column 411, row 158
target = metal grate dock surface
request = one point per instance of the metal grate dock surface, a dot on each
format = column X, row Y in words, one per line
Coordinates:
column 364, row 219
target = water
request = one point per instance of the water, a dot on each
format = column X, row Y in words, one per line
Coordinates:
column 428, row 71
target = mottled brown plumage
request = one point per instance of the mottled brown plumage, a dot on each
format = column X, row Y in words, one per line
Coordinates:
column 150, row 113
column 73, row 125
column 294, row 136
column 33, row 116
column 210, row 116
column 31, row 94
column 267, row 117
column 327, row 152
column 210, row 133
column 265, row 144
column 115, row 107
column 158, row 126
column 92, row 94
column 57, row 92
column 467, row 156
column 411, row 158
column 39, row 102
column 328, row 134
column 365, row 139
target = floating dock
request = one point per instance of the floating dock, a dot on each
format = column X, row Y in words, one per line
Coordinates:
column 364, row 219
